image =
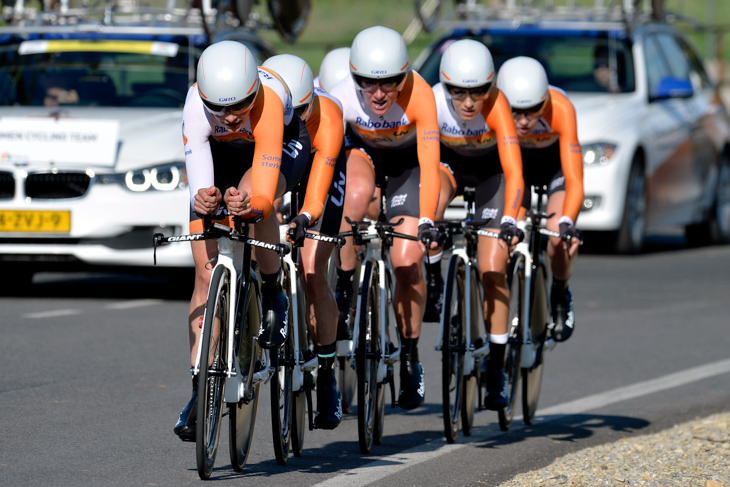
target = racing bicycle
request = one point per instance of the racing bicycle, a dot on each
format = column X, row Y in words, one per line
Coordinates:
column 230, row 364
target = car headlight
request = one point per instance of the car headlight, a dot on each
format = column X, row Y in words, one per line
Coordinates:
column 599, row 153
column 165, row 177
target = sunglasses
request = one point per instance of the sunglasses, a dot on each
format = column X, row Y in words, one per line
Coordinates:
column 459, row 94
column 387, row 85
column 239, row 108
column 531, row 113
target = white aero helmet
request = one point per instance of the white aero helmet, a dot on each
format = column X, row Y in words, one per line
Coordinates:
column 524, row 82
column 334, row 68
column 297, row 75
column 378, row 52
column 467, row 64
column 227, row 77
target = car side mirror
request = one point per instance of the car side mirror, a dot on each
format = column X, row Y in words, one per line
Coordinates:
column 671, row 87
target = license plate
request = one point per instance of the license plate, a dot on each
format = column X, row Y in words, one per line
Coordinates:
column 35, row 221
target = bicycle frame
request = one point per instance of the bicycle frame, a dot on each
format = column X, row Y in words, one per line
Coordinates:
column 371, row 239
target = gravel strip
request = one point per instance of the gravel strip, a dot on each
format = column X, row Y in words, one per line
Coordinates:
column 693, row 454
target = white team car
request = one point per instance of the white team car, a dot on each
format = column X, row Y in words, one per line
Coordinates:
column 654, row 133
column 91, row 151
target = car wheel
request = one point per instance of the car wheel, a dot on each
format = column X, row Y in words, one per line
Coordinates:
column 630, row 237
column 716, row 227
column 17, row 279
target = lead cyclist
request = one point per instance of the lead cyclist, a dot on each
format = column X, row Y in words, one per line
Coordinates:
column 392, row 131
column 244, row 147
column 546, row 125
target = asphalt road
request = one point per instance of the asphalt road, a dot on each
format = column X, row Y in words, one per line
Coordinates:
column 94, row 373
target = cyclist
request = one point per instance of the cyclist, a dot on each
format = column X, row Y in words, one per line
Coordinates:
column 546, row 125
column 480, row 150
column 335, row 66
column 244, row 145
column 321, row 213
column 392, row 131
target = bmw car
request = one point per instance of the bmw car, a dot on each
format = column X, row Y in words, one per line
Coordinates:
column 654, row 132
column 91, row 152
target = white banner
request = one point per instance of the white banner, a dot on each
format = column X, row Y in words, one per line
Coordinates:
column 67, row 142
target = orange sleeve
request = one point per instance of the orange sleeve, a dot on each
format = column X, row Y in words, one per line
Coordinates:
column 327, row 133
column 508, row 144
column 422, row 110
column 571, row 158
column 267, row 124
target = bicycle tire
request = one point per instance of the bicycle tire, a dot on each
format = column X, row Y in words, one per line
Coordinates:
column 367, row 354
column 513, row 355
column 210, row 385
column 282, row 395
column 470, row 386
column 539, row 316
column 242, row 416
column 299, row 398
column 453, row 347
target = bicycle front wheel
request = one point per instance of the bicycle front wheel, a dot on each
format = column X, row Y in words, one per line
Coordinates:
column 453, row 347
column 539, row 316
column 367, row 355
column 212, row 371
column 513, row 355
column 470, row 385
column 242, row 415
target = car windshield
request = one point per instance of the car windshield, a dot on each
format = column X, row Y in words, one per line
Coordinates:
column 112, row 73
column 576, row 62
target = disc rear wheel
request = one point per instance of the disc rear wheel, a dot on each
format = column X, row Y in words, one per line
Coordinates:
column 453, row 348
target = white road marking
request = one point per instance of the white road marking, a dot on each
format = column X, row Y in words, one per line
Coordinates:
column 389, row 465
column 138, row 303
column 53, row 313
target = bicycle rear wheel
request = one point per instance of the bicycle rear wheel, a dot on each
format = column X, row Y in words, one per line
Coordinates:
column 539, row 316
column 471, row 381
column 367, row 354
column 212, row 371
column 242, row 415
column 453, row 347
column 513, row 355
column 282, row 395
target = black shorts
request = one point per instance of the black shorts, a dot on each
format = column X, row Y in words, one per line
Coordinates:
column 329, row 223
column 231, row 161
column 541, row 167
column 403, row 172
column 483, row 174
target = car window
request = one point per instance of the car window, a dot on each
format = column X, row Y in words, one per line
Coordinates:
column 656, row 66
column 55, row 74
column 674, row 55
column 569, row 60
column 697, row 74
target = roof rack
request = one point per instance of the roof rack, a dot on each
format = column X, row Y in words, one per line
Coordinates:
column 567, row 14
column 124, row 16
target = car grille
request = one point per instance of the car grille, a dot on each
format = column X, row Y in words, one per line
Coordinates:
column 57, row 185
column 7, row 185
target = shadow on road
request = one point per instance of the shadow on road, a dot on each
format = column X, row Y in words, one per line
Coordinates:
column 567, row 429
column 172, row 285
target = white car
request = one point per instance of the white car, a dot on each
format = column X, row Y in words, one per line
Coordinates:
column 91, row 150
column 654, row 133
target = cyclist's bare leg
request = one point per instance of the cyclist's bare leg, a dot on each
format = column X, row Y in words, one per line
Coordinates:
column 493, row 258
column 203, row 251
column 267, row 230
column 321, row 305
column 561, row 262
column 359, row 195
column 409, row 296
column 447, row 194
